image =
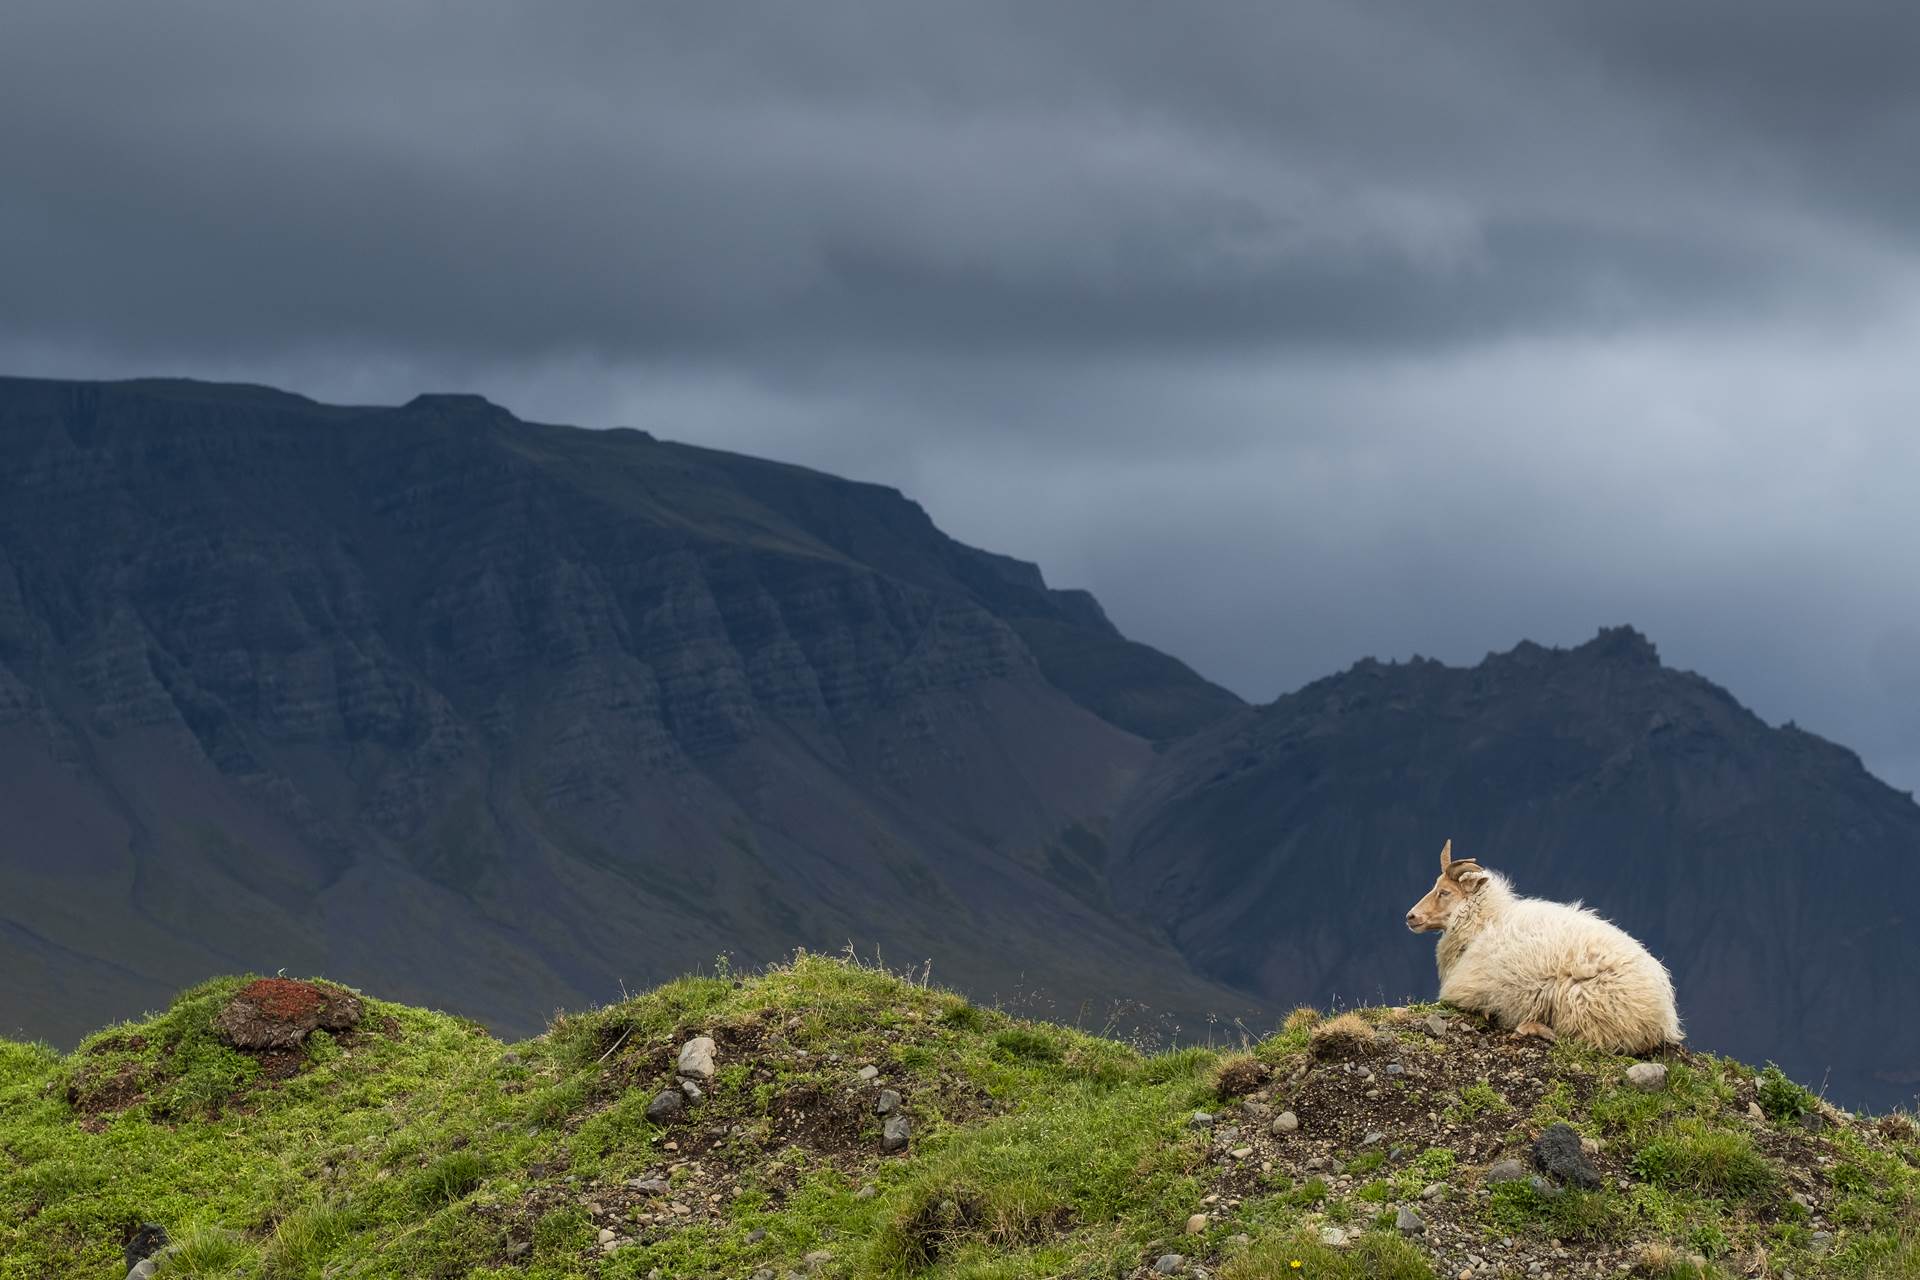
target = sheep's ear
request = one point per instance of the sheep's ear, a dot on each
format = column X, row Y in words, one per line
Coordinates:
column 1472, row 878
column 1446, row 856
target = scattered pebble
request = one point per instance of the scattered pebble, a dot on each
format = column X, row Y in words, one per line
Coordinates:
column 1408, row 1221
column 1168, row 1264
column 1650, row 1077
column 1196, row 1224
column 1285, row 1122
column 696, row 1058
column 665, row 1105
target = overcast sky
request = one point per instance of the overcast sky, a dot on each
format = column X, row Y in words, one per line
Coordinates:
column 1296, row 331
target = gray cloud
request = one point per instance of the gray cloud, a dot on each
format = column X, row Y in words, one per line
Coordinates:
column 1296, row 332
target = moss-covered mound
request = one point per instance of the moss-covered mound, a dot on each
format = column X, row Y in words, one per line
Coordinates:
column 847, row 1122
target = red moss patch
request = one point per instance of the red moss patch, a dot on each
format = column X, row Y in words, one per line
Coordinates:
column 278, row 1014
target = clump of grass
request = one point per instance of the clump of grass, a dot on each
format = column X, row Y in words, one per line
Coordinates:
column 304, row 1240
column 963, row 1017
column 1584, row 1216
column 1899, row 1126
column 1782, row 1099
column 1239, row 1075
column 206, row 1253
column 1377, row 1255
column 1304, row 1018
column 1478, row 1099
column 1029, row 1044
column 1717, row 1162
column 1307, row 1195
column 449, row 1178
column 1661, row 1261
column 1341, row 1037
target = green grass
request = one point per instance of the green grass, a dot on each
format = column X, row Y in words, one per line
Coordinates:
column 421, row 1147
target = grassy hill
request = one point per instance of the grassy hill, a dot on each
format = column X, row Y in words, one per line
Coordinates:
column 415, row 1145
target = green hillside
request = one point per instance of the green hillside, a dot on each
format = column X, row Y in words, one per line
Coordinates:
column 413, row 1144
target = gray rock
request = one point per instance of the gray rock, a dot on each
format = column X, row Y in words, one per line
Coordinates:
column 1257, row 1110
column 1821, row 1241
column 1650, row 1077
column 1201, row 1120
column 1433, row 1191
column 1333, row 1237
column 696, row 1058
column 869, row 1072
column 1408, row 1221
column 867, row 1191
column 817, row 1259
column 1507, row 1171
column 1394, row 1069
column 608, row 1235
column 143, row 1269
column 1557, row 1152
column 666, row 1104
column 1285, row 1122
column 518, row 1248
column 897, row 1132
column 1813, row 1122
column 649, row 1186
column 692, row 1090
column 887, row 1103
column 1436, row 1024
column 1544, row 1189
column 1168, row 1264
column 1373, row 1138
column 764, row 1273
column 756, row 1235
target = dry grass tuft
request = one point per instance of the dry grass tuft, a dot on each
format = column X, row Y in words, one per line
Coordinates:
column 1239, row 1075
column 1341, row 1037
column 1301, row 1019
column 1899, row 1126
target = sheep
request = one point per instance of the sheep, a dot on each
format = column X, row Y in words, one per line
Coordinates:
column 1541, row 968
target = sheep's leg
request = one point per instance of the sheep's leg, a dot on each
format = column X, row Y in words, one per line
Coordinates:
column 1533, row 1028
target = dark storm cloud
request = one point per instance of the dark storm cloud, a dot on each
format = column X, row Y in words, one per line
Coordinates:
column 1296, row 331
column 719, row 181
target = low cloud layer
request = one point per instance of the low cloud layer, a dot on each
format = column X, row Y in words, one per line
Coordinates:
column 1296, row 332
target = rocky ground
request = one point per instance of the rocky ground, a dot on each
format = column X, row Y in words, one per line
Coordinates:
column 828, row 1120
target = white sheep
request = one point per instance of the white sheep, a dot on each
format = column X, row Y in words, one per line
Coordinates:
column 1543, row 968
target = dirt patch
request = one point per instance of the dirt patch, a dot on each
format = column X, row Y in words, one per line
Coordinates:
column 97, row 1092
column 278, row 1014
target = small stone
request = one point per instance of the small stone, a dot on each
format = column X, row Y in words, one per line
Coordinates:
column 1408, row 1221
column 518, row 1248
column 692, row 1090
column 665, row 1105
column 1800, row 1198
column 1507, row 1171
column 764, row 1273
column 1436, row 1024
column 1373, row 1138
column 696, row 1058
column 1257, row 1110
column 1394, row 1069
column 1241, row 1153
column 897, row 1132
column 1542, row 1188
column 1821, row 1241
column 1168, row 1264
column 145, row 1269
column 756, row 1235
column 1333, row 1237
column 817, row 1259
column 608, row 1235
column 649, row 1186
column 869, row 1072
column 1648, row 1077
column 1200, row 1120
column 1813, row 1122
column 1557, row 1151
column 1755, row 1114
column 1285, row 1122
column 1196, row 1224
column 1396, row 1155
column 1433, row 1191
column 887, row 1103
column 867, row 1191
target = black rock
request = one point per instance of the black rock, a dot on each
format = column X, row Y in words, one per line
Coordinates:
column 666, row 1104
column 143, row 1241
column 1557, row 1152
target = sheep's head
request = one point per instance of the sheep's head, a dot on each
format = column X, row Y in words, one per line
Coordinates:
column 1459, row 881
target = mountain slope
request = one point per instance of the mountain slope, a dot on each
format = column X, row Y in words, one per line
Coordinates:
column 497, row 714
column 1773, row 874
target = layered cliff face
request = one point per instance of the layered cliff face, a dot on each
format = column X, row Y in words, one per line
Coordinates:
column 501, row 714
column 1771, row 872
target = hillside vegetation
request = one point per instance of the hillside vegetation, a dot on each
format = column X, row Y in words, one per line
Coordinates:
column 849, row 1122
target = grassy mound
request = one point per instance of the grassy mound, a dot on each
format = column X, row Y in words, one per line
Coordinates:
column 415, row 1145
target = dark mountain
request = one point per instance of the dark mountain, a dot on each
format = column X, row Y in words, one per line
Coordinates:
column 1778, row 879
column 493, row 715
